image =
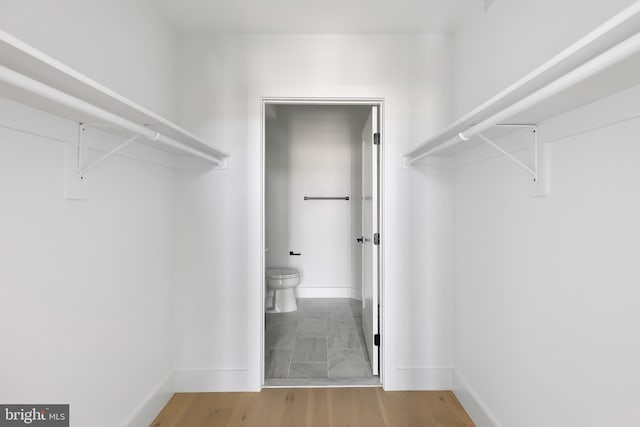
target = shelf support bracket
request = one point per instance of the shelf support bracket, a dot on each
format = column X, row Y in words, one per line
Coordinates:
column 104, row 157
column 83, row 167
column 533, row 171
column 77, row 166
column 75, row 187
column 539, row 166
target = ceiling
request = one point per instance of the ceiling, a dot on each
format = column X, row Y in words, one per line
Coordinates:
column 316, row 16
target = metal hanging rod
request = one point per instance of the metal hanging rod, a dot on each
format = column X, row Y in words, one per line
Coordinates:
column 326, row 198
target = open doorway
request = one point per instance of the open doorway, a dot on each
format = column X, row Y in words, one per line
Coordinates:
column 321, row 221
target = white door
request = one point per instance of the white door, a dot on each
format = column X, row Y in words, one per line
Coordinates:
column 370, row 244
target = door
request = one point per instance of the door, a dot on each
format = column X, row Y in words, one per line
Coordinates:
column 370, row 233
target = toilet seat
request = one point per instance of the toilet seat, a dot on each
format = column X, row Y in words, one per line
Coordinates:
column 282, row 273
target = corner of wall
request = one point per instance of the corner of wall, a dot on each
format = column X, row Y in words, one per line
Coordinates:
column 474, row 406
column 144, row 414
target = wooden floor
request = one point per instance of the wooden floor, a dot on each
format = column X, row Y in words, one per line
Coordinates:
column 318, row 407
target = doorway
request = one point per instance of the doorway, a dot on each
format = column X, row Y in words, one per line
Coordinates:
column 321, row 218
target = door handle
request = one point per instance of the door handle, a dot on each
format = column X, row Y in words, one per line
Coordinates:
column 360, row 240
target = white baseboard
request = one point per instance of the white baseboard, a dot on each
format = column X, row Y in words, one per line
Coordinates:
column 403, row 379
column 474, row 406
column 144, row 414
column 302, row 292
column 209, row 380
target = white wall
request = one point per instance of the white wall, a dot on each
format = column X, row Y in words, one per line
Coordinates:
column 216, row 325
column 87, row 285
column 546, row 295
column 496, row 48
column 125, row 45
column 315, row 151
column 546, row 288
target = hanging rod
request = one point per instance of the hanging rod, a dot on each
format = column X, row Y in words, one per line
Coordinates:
column 610, row 57
column 40, row 89
column 326, row 198
column 616, row 54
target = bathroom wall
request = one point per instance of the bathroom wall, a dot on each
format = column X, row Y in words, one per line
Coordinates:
column 315, row 151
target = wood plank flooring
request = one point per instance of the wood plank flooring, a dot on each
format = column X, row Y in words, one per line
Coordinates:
column 315, row 407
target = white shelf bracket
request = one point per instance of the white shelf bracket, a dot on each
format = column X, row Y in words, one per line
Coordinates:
column 538, row 167
column 83, row 167
column 75, row 187
column 77, row 166
column 96, row 162
column 532, row 170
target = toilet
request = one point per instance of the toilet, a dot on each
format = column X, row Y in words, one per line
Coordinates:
column 281, row 284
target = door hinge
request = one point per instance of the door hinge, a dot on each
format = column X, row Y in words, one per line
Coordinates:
column 376, row 138
column 376, row 238
column 376, row 339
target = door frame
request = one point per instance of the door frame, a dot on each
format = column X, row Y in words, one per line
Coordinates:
column 369, row 140
column 380, row 103
column 247, row 374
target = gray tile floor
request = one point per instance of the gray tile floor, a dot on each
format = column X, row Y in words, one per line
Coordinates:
column 321, row 343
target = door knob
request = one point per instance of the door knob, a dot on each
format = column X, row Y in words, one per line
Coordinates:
column 360, row 240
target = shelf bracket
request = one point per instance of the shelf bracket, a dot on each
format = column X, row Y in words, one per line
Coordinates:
column 83, row 167
column 77, row 166
column 533, row 171
column 538, row 167
column 75, row 187
column 96, row 162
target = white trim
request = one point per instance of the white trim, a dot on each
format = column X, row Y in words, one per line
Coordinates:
column 323, row 100
column 475, row 407
column 420, row 379
column 304, row 292
column 213, row 380
column 146, row 412
column 255, row 164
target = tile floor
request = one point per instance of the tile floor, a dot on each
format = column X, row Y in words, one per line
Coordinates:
column 321, row 343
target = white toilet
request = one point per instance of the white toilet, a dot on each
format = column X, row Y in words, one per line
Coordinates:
column 281, row 284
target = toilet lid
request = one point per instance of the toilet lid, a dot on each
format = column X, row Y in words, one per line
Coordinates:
column 282, row 273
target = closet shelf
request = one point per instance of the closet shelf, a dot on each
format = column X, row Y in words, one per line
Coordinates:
column 33, row 78
column 605, row 61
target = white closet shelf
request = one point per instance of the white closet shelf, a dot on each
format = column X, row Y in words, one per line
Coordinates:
column 605, row 61
column 33, row 78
